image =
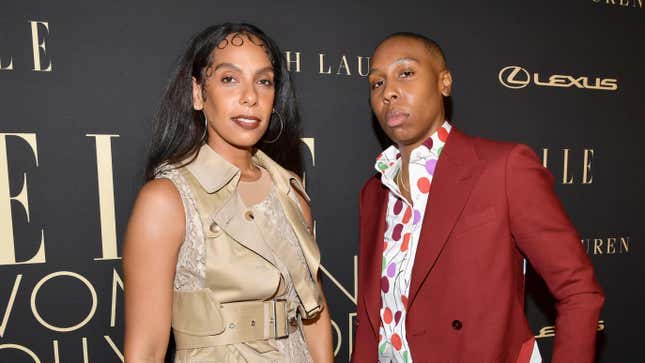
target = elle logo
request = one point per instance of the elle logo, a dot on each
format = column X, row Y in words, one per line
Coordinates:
column 39, row 35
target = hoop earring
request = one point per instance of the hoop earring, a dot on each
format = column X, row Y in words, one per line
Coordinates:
column 281, row 127
column 205, row 129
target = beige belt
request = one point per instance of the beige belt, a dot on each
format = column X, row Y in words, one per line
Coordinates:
column 245, row 321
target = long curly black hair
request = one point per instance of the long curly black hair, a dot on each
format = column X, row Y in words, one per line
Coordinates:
column 178, row 129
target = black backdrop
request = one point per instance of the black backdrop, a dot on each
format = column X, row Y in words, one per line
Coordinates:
column 80, row 81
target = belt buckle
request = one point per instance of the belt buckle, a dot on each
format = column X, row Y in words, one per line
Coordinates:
column 275, row 302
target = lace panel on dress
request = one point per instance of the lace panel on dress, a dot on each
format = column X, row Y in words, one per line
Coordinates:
column 191, row 262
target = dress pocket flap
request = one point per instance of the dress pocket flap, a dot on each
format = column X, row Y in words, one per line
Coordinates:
column 196, row 313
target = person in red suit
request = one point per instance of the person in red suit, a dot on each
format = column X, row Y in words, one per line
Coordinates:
column 445, row 227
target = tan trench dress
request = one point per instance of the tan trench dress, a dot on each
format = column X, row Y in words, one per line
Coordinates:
column 245, row 276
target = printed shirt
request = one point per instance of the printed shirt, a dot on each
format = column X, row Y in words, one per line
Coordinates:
column 403, row 228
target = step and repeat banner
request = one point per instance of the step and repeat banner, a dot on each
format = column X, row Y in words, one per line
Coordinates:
column 80, row 81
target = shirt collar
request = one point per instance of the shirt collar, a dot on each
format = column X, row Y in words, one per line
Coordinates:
column 388, row 162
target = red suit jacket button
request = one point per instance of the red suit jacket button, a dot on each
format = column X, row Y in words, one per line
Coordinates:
column 456, row 324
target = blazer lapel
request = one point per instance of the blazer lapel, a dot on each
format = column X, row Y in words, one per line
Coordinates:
column 457, row 172
column 373, row 232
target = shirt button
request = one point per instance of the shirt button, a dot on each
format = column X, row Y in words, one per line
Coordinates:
column 249, row 216
column 456, row 324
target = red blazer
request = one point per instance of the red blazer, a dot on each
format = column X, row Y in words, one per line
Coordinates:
column 491, row 204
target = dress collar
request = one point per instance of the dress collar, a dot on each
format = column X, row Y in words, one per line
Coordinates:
column 213, row 172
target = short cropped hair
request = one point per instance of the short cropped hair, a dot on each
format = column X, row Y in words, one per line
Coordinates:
column 432, row 46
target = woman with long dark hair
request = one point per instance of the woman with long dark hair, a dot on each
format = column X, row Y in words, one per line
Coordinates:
column 219, row 246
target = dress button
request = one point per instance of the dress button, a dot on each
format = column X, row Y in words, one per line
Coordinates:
column 249, row 216
column 215, row 228
column 456, row 324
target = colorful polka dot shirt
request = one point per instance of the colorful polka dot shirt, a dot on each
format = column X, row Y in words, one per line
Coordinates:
column 403, row 227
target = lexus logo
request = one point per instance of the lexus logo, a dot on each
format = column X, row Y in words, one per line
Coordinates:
column 514, row 77
column 517, row 77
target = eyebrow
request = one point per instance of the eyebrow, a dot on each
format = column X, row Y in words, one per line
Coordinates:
column 231, row 65
column 400, row 60
column 265, row 69
column 226, row 65
column 406, row 59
